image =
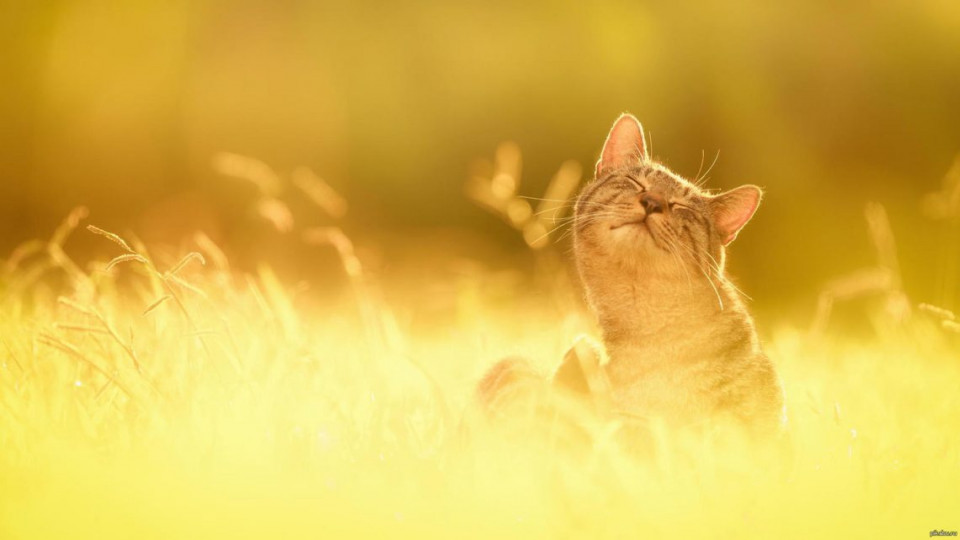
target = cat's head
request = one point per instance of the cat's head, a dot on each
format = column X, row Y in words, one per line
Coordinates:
column 639, row 216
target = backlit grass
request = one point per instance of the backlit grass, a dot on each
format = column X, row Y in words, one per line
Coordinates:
column 183, row 399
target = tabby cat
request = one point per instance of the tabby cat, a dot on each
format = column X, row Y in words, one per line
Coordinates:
column 650, row 249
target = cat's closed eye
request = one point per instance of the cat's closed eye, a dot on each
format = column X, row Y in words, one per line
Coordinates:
column 637, row 184
column 679, row 206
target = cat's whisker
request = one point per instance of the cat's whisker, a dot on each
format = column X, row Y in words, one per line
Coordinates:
column 570, row 229
column 706, row 274
column 700, row 181
column 580, row 217
column 714, row 287
column 693, row 255
column 566, row 202
column 718, row 271
column 561, row 220
column 672, row 241
column 698, row 262
column 581, row 220
column 554, row 211
column 703, row 155
column 730, row 283
column 679, row 243
column 555, row 229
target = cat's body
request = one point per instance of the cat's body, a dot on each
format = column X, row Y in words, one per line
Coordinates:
column 681, row 344
column 650, row 247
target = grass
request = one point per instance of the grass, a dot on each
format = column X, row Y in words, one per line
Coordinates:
column 142, row 399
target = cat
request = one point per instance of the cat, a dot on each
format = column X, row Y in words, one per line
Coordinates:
column 650, row 248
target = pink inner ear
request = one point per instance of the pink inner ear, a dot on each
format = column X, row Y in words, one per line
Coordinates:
column 733, row 209
column 625, row 145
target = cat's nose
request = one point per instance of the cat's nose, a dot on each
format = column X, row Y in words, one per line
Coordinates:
column 652, row 203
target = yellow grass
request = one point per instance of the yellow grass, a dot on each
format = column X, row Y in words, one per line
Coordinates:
column 187, row 401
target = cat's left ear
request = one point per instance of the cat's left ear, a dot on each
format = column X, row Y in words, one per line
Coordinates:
column 733, row 209
column 625, row 145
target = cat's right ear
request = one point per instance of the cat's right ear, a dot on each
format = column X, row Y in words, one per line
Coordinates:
column 733, row 209
column 625, row 145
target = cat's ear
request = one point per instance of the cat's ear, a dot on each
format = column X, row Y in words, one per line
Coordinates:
column 733, row 209
column 624, row 146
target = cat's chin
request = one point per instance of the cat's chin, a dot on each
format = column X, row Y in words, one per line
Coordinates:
column 632, row 235
column 632, row 227
column 636, row 236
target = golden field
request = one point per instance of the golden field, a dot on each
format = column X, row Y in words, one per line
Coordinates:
column 178, row 398
column 195, row 343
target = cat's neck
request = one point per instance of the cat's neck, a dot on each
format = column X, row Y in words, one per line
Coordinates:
column 650, row 314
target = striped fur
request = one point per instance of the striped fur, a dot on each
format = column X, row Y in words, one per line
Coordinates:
column 681, row 344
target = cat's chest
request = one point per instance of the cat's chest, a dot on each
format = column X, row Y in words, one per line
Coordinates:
column 684, row 389
column 662, row 365
column 674, row 377
column 665, row 350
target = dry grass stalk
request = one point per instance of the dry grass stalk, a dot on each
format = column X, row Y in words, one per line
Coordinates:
column 156, row 304
column 944, row 207
column 265, row 308
column 883, row 279
column 105, row 327
column 213, row 251
column 498, row 193
column 80, row 328
column 948, row 320
column 125, row 258
column 319, row 192
column 377, row 318
column 166, row 279
column 112, row 237
column 60, row 259
column 71, row 350
column 68, row 225
column 277, row 213
column 270, row 186
column 21, row 253
column 241, row 167
column 192, row 256
column 334, row 236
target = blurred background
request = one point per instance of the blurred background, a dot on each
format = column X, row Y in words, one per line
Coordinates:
column 828, row 105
